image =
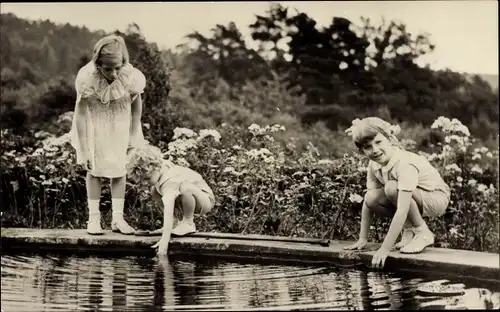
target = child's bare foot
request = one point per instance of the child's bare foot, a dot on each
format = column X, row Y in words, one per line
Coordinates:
column 423, row 238
column 406, row 238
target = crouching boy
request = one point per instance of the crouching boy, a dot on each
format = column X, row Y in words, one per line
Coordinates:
column 180, row 191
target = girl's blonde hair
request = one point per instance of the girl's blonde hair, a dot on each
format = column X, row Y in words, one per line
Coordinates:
column 366, row 129
column 144, row 160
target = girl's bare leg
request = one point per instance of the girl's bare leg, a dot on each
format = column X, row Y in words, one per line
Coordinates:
column 93, row 185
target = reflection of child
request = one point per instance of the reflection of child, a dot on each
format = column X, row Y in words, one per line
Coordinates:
column 399, row 184
column 173, row 186
column 106, row 123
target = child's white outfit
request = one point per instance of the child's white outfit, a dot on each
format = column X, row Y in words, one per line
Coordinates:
column 108, row 119
column 173, row 177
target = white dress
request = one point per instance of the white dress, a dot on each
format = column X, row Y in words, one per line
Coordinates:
column 108, row 118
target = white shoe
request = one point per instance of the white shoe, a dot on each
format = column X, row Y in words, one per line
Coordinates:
column 94, row 225
column 406, row 238
column 419, row 243
column 121, row 226
column 184, row 227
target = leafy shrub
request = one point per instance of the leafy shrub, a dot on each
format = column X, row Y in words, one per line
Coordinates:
column 262, row 185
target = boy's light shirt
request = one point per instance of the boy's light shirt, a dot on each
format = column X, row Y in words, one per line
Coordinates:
column 428, row 177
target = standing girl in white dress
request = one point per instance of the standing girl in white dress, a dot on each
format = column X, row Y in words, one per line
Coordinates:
column 106, row 123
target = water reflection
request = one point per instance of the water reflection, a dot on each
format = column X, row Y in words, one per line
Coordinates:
column 58, row 283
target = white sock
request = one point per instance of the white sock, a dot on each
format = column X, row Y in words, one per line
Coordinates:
column 117, row 207
column 93, row 205
column 422, row 229
column 407, row 226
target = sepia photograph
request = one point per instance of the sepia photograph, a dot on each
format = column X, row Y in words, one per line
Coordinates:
column 249, row 156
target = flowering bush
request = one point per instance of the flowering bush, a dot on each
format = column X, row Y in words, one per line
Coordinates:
column 263, row 185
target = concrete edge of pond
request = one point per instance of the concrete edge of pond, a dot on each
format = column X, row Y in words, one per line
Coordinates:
column 478, row 265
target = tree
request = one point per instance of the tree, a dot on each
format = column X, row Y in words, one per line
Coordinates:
column 148, row 59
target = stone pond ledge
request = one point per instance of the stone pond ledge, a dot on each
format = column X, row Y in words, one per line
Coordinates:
column 478, row 265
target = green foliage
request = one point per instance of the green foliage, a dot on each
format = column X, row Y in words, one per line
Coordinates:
column 262, row 186
column 266, row 181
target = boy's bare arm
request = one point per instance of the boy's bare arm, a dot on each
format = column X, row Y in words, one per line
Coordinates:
column 168, row 197
column 399, row 219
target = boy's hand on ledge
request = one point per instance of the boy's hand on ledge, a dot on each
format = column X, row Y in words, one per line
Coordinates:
column 359, row 245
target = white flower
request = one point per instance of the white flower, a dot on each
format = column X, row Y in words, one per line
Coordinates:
column 489, row 155
column 477, row 169
column 355, row 198
column 453, row 167
column 65, row 181
column 325, row 162
column 179, row 132
column 460, row 179
column 210, row 133
column 453, row 231
column 472, row 182
column 254, row 127
column 236, row 147
column 482, row 187
column 476, row 157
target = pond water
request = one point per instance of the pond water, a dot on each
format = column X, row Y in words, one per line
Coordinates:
column 56, row 282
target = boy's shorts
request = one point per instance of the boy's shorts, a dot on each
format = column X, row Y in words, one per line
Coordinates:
column 434, row 203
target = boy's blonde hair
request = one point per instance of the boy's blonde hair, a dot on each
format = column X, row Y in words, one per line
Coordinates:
column 366, row 129
column 143, row 161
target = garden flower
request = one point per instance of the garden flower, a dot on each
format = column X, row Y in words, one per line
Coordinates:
column 254, row 153
column 477, row 169
column 476, row 157
column 460, row 179
column 482, row 187
column 210, row 133
column 453, row 167
column 472, row 182
column 325, row 162
column 179, row 132
column 489, row 155
column 453, row 231
column 355, row 198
